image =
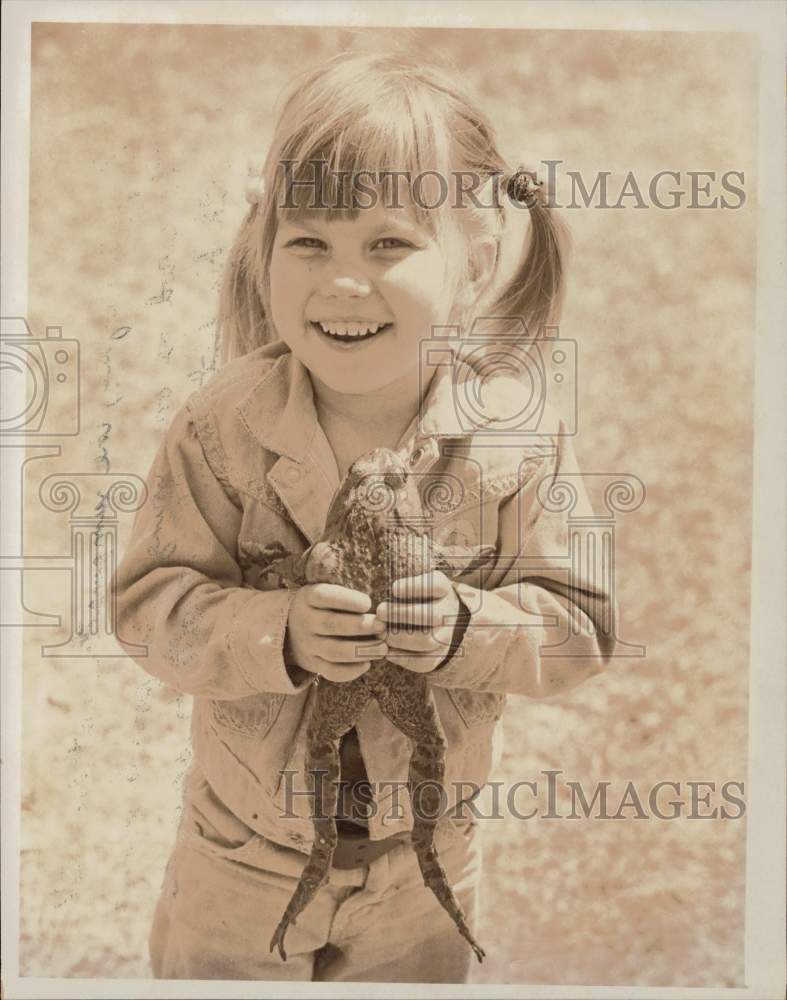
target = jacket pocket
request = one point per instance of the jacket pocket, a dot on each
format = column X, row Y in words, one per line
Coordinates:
column 477, row 707
column 252, row 716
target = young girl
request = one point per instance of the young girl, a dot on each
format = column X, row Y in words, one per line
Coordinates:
column 383, row 223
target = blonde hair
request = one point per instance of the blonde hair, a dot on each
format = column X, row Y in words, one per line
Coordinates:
column 376, row 112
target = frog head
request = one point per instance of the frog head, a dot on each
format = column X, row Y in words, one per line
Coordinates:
column 376, row 485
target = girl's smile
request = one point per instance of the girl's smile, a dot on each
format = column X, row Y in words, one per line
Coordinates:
column 351, row 333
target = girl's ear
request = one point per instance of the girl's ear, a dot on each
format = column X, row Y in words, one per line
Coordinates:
column 482, row 261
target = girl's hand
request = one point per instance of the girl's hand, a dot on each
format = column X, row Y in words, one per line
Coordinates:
column 430, row 609
column 330, row 633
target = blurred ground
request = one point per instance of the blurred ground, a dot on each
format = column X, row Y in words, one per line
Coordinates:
column 139, row 142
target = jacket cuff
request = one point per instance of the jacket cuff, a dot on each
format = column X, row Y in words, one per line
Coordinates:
column 484, row 642
column 256, row 642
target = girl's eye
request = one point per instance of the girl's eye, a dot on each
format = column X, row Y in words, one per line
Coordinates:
column 397, row 243
column 307, row 242
column 312, row 243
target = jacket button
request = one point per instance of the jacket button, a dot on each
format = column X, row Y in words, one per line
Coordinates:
column 294, row 474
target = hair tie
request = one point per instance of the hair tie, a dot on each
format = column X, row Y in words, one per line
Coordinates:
column 255, row 183
column 514, row 226
column 524, row 187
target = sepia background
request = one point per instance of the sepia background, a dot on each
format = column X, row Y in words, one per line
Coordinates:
column 139, row 141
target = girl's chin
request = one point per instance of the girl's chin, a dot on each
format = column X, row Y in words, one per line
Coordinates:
column 359, row 380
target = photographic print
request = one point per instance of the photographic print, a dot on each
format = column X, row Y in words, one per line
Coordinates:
column 390, row 582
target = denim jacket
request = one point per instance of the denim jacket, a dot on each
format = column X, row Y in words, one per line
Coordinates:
column 245, row 461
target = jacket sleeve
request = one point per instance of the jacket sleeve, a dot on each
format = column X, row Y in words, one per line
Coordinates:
column 180, row 593
column 513, row 622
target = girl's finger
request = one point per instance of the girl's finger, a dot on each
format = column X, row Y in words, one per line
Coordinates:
column 345, row 624
column 340, row 672
column 417, row 664
column 428, row 586
column 424, row 614
column 420, row 641
column 331, row 596
column 350, row 650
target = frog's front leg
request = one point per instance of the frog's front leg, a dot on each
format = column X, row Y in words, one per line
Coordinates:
column 458, row 559
column 337, row 708
column 407, row 701
column 274, row 557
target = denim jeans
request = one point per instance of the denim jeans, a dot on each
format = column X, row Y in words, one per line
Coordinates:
column 221, row 901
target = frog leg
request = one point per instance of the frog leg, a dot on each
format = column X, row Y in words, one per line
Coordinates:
column 275, row 557
column 459, row 559
column 336, row 709
column 407, row 701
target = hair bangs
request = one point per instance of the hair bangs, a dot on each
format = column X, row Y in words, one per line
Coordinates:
column 394, row 153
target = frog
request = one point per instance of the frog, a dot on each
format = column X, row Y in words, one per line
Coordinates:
column 375, row 533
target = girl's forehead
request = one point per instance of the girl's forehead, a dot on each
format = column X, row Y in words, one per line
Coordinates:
column 362, row 197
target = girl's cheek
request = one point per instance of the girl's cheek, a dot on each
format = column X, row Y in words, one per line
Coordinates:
column 284, row 279
column 420, row 276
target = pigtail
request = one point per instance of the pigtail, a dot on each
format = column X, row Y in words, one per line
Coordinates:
column 242, row 322
column 535, row 289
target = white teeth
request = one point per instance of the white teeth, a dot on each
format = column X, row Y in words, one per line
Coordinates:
column 350, row 329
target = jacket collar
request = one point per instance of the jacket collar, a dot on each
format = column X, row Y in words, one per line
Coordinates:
column 279, row 410
column 280, row 413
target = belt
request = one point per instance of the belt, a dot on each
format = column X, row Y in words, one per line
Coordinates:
column 355, row 849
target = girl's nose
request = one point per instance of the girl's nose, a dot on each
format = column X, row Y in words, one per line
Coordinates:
column 348, row 284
